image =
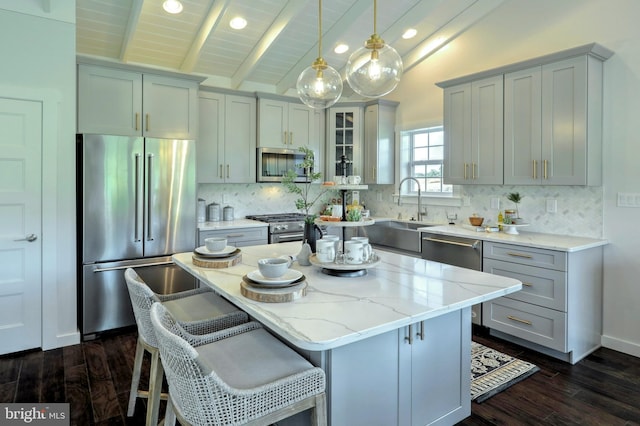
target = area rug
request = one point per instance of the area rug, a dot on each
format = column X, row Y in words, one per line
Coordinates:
column 492, row 371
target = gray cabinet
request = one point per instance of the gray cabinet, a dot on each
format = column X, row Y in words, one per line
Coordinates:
column 284, row 124
column 473, row 132
column 559, row 309
column 130, row 103
column 553, row 124
column 238, row 237
column 379, row 142
column 227, row 140
column 416, row 375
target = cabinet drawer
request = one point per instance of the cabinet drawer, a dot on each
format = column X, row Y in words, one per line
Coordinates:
column 544, row 326
column 543, row 287
column 238, row 236
column 541, row 258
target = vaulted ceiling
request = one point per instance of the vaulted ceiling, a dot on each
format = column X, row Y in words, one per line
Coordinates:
column 279, row 42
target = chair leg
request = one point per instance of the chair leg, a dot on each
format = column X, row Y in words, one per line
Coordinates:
column 155, row 388
column 169, row 415
column 319, row 412
column 135, row 378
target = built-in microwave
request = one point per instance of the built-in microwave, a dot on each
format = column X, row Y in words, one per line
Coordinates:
column 273, row 163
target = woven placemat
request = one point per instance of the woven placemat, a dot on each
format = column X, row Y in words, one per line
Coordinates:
column 216, row 263
column 273, row 295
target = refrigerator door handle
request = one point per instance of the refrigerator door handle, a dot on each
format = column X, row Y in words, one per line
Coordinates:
column 136, row 221
column 117, row 268
column 149, row 203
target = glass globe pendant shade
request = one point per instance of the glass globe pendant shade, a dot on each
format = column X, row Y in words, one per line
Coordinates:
column 374, row 72
column 319, row 86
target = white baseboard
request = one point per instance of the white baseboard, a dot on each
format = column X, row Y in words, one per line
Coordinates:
column 629, row 348
column 65, row 340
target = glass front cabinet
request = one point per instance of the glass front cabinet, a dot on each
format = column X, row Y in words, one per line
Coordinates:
column 344, row 129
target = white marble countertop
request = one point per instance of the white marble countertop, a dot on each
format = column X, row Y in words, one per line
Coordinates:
column 336, row 311
column 565, row 243
column 231, row 224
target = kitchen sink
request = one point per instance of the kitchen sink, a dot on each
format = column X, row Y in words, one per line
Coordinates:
column 402, row 236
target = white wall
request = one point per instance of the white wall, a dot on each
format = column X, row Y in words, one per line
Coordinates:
column 38, row 55
column 523, row 29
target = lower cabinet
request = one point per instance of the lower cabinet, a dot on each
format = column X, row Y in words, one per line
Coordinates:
column 559, row 309
column 237, row 237
column 415, row 375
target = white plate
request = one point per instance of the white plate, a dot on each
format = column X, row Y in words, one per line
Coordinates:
column 290, row 276
column 220, row 253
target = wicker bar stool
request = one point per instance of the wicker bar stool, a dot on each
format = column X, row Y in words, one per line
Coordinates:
column 200, row 311
column 238, row 376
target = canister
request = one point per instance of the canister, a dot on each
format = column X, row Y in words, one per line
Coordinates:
column 227, row 213
column 201, row 212
column 213, row 211
column 509, row 215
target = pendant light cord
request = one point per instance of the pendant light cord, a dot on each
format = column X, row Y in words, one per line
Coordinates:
column 375, row 16
column 319, row 28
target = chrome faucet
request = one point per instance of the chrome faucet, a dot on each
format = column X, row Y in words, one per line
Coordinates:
column 419, row 201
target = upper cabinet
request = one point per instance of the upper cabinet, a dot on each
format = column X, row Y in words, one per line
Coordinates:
column 227, row 138
column 552, row 122
column 344, row 129
column 379, row 142
column 283, row 124
column 130, row 103
column 473, row 139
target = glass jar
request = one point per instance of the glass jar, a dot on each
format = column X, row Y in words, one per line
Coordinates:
column 509, row 215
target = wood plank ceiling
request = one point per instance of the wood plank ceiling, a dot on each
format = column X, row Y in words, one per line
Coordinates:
column 279, row 41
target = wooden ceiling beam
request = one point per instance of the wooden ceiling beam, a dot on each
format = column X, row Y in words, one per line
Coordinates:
column 209, row 23
column 132, row 26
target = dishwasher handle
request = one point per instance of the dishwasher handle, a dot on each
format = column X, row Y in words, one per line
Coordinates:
column 473, row 245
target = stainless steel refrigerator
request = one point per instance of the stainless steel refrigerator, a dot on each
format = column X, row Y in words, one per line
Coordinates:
column 137, row 207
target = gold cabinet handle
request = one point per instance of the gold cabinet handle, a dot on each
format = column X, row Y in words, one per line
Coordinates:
column 290, row 138
column 545, row 175
column 526, row 284
column 526, row 256
column 285, row 137
column 228, row 171
column 535, row 169
column 147, row 123
column 520, row 320
column 473, row 171
column 137, row 121
column 465, row 170
column 220, row 174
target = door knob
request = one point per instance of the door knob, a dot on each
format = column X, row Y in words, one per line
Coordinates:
column 30, row 238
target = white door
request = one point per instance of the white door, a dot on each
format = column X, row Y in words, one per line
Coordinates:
column 20, row 225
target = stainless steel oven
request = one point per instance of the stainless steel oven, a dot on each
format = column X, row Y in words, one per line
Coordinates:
column 283, row 227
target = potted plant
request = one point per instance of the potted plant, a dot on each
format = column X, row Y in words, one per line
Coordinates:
column 304, row 191
column 515, row 198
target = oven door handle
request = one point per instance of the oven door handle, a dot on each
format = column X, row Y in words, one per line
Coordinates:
column 438, row 240
column 290, row 237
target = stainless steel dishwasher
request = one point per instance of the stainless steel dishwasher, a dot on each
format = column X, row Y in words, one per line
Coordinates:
column 456, row 251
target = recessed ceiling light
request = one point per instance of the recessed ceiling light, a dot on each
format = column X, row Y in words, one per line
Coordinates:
column 341, row 48
column 410, row 33
column 238, row 23
column 172, row 6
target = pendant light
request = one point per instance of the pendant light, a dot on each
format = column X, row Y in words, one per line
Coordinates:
column 376, row 68
column 319, row 86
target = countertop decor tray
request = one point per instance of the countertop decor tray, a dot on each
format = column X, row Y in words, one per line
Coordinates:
column 207, row 262
column 274, row 294
column 344, row 269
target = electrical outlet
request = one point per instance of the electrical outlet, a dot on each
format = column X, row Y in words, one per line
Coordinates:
column 552, row 205
column 225, row 198
column 379, row 196
column 495, row 203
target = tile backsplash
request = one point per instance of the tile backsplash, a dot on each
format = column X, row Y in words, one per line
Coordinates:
column 579, row 208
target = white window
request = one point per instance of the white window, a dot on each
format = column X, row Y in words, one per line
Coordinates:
column 424, row 161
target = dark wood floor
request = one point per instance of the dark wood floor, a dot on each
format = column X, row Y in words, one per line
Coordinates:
column 94, row 377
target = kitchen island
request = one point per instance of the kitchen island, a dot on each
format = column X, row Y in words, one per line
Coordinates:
column 394, row 343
